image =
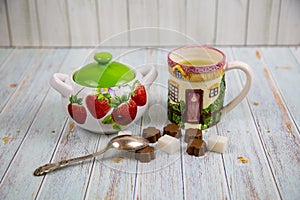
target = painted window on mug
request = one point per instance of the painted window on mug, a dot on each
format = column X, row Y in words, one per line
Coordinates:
column 178, row 74
column 213, row 92
column 173, row 91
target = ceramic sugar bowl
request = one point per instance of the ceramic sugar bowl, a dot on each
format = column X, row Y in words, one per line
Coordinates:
column 104, row 96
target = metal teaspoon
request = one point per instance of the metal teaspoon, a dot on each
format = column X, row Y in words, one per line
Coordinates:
column 122, row 142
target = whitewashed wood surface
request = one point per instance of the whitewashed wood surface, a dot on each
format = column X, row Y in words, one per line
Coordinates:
column 264, row 129
column 69, row 23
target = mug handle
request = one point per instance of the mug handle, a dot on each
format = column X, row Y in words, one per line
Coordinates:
column 249, row 75
column 58, row 82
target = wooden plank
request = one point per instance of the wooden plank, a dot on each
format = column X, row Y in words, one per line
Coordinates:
column 53, row 23
column 172, row 22
column 231, row 22
column 4, row 53
column 113, row 173
column 133, row 57
column 143, row 17
column 23, row 23
column 34, row 151
column 285, row 70
column 204, row 177
column 262, row 129
column 20, row 111
column 289, row 28
column 4, row 31
column 83, row 22
column 117, row 169
column 201, row 25
column 296, row 52
column 70, row 145
column 45, row 132
column 113, row 22
column 31, row 22
column 164, row 174
column 74, row 142
column 14, row 70
column 253, row 179
column 263, row 22
column 276, row 129
column 161, row 178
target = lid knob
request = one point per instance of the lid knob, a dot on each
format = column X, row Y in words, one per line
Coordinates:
column 103, row 58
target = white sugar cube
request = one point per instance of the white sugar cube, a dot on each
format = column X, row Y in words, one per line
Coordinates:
column 168, row 144
column 124, row 132
column 217, row 143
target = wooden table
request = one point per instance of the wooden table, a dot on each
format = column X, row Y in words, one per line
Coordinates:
column 264, row 129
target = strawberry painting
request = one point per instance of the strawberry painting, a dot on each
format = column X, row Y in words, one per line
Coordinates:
column 124, row 107
column 125, row 110
column 76, row 110
column 98, row 105
column 139, row 95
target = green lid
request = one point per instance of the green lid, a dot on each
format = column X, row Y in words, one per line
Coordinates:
column 103, row 73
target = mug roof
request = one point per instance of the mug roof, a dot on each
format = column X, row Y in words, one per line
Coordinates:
column 182, row 55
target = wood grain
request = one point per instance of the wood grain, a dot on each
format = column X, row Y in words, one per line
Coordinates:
column 83, row 22
column 276, row 129
column 23, row 23
column 4, row 53
column 161, row 178
column 172, row 22
column 21, row 110
column 113, row 22
column 201, row 21
column 118, row 176
column 108, row 22
column 263, row 128
column 285, row 70
column 4, row 31
column 35, row 150
column 53, row 23
column 69, row 145
column 143, row 18
column 45, row 132
column 204, row 176
column 289, row 28
column 22, row 61
column 296, row 53
column 244, row 142
column 231, row 22
column 263, row 22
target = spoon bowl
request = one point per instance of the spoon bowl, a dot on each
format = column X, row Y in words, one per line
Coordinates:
column 121, row 142
column 128, row 142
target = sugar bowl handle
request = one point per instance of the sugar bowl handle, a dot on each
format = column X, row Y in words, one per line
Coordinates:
column 150, row 74
column 58, row 82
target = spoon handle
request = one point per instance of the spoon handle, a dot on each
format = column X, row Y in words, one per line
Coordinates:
column 42, row 170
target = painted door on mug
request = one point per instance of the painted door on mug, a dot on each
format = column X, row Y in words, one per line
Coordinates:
column 194, row 105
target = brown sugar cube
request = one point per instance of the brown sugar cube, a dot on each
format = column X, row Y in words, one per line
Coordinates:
column 151, row 134
column 145, row 154
column 192, row 133
column 196, row 147
column 172, row 130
